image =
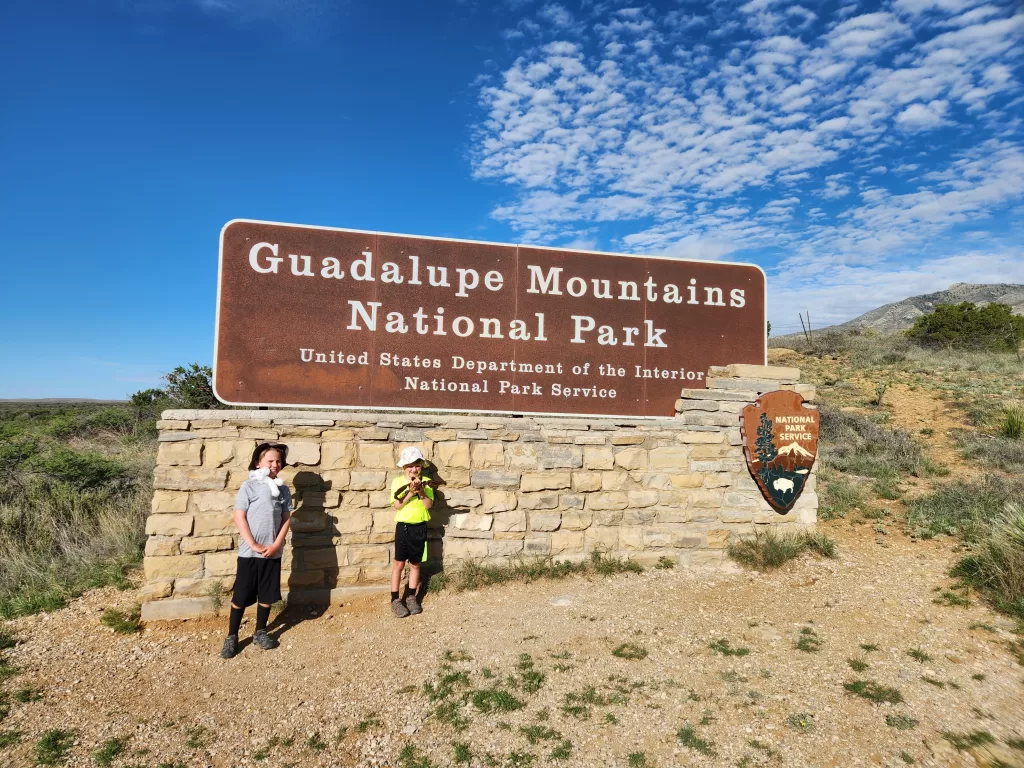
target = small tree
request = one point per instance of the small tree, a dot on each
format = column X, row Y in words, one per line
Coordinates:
column 993, row 326
column 191, row 387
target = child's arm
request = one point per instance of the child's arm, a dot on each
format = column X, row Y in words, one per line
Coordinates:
column 278, row 544
column 242, row 522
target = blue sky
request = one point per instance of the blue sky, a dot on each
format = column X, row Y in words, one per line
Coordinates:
column 859, row 152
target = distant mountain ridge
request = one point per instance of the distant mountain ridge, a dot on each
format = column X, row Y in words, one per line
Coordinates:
column 900, row 315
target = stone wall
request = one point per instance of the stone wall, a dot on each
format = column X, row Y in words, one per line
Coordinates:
column 517, row 487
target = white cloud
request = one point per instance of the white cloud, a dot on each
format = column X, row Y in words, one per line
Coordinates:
column 923, row 117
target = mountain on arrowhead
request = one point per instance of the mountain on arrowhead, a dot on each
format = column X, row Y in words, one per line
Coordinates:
column 793, row 449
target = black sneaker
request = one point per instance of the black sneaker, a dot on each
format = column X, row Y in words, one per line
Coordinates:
column 263, row 639
column 230, row 647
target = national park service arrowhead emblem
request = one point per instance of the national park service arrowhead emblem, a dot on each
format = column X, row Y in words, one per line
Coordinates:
column 780, row 441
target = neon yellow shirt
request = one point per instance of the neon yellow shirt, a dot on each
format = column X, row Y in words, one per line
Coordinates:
column 415, row 511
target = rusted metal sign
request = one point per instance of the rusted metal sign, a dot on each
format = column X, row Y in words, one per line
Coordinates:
column 319, row 317
column 780, row 440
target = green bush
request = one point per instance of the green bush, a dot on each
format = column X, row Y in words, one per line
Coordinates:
column 79, row 469
column 997, row 563
column 962, row 508
column 965, row 325
column 851, row 442
column 768, row 550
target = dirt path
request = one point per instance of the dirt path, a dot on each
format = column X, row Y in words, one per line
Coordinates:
column 915, row 410
column 176, row 702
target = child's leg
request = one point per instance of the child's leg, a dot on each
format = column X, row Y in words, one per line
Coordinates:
column 396, row 577
column 235, row 619
column 414, row 577
column 262, row 616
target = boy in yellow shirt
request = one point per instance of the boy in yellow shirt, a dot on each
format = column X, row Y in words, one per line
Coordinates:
column 412, row 499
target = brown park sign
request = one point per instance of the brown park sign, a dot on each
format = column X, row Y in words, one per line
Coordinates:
column 780, row 441
column 319, row 317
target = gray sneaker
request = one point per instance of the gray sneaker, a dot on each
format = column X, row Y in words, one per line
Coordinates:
column 230, row 647
column 398, row 608
column 263, row 639
column 412, row 604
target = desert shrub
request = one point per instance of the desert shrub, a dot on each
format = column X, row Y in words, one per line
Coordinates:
column 768, row 550
column 962, row 508
column 841, row 495
column 851, row 442
column 78, row 469
column 473, row 575
column 966, row 325
column 991, row 451
column 1012, row 426
column 191, row 386
column 997, row 564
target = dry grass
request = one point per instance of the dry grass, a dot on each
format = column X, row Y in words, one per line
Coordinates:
column 769, row 550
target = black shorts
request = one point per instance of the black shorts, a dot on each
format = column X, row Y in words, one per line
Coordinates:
column 257, row 578
column 410, row 542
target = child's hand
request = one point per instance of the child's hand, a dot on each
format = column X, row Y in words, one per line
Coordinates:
column 270, row 551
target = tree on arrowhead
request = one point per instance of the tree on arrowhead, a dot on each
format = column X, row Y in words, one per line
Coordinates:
column 765, row 444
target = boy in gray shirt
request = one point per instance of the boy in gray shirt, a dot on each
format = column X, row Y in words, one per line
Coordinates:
column 263, row 516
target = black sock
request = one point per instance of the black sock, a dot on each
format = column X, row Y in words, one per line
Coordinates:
column 235, row 621
column 262, row 614
column 394, row 595
column 409, row 590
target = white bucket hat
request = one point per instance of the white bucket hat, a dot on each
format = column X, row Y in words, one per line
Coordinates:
column 410, row 455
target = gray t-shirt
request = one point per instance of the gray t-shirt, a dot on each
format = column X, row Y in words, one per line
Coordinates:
column 264, row 513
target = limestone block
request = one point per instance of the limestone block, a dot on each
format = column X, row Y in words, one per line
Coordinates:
column 521, row 456
column 377, row 574
column 467, row 521
column 696, row 405
column 376, row 455
column 541, row 481
column 323, row 499
column 162, row 546
column 670, row 458
column 453, row 454
column 631, row 458
column 510, row 521
column 775, row 372
column 657, row 538
column 355, row 519
column 720, row 395
column 337, row 435
column 438, row 435
column 189, row 479
column 456, row 478
column 169, row 525
column 560, row 456
column 169, row 502
column 704, row 465
column 705, row 499
column 537, row 544
column 589, row 439
column 214, row 524
column 608, row 517
column 672, row 515
column 597, row 539
column 384, row 520
column 165, row 424
column 157, row 568
column 607, row 500
column 186, row 453
column 155, row 590
column 212, row 501
column 586, row 481
column 572, row 501
column 599, row 458
column 351, row 575
column 210, row 434
column 177, row 609
column 631, row 538
column 807, row 501
column 372, row 433
column 736, row 515
column 224, row 453
column 566, row 542
column 545, row 521
column 642, row 498
column 367, row 481
column 746, row 384
column 639, row 516
column 498, row 501
column 220, row 563
column 490, row 478
column 509, row 535
column 807, row 516
column 575, row 520
column 717, row 538
column 462, row 497
column 309, row 520
column 709, row 451
column 304, row 452
column 488, row 455
column 505, row 548
column 718, row 479
column 303, row 578
column 808, row 391
column 674, row 498
column 613, row 481
column 465, row 549
column 324, row 558
column 337, row 455
column 336, row 479
column 737, row 499
column 548, row 500
column 355, row 499
column 628, row 439
column 368, row 555
column 196, row 544
column 701, row 438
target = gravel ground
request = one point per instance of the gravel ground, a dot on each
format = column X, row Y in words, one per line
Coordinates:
column 347, row 687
